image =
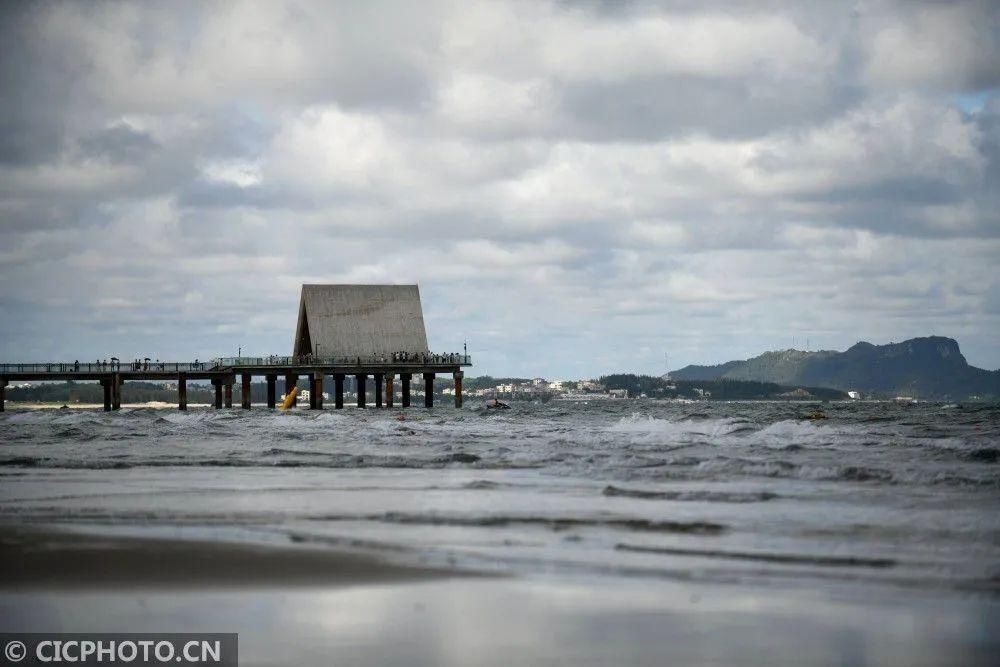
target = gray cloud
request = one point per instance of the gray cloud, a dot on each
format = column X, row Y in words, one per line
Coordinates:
column 118, row 143
column 35, row 91
column 598, row 183
column 661, row 107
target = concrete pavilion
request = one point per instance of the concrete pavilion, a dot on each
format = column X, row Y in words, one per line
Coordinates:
column 362, row 321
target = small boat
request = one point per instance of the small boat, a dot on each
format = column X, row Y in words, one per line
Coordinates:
column 497, row 405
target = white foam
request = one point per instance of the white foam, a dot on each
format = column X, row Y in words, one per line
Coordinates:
column 678, row 430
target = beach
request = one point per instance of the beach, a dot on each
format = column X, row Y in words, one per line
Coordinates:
column 301, row 606
column 37, row 559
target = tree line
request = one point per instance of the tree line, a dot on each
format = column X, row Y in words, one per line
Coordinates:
column 726, row 390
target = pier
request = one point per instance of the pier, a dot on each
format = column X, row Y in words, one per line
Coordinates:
column 358, row 330
column 223, row 373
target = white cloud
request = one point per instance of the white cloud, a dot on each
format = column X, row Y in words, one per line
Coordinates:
column 658, row 234
column 946, row 45
column 713, row 45
column 240, row 173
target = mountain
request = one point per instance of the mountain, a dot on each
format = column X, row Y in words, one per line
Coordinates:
column 930, row 368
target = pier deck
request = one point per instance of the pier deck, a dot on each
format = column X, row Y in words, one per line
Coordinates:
column 223, row 372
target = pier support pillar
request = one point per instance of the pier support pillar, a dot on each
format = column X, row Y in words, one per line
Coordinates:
column 217, row 385
column 389, row 389
column 316, row 392
column 338, row 391
column 182, row 392
column 362, row 381
column 404, row 379
column 378, row 390
column 428, row 390
column 106, row 385
column 245, row 386
column 291, row 380
column 271, row 393
column 116, row 392
column 458, row 375
column 227, row 393
column 3, row 394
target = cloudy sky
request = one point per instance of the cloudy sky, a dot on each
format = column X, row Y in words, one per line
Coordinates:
column 577, row 187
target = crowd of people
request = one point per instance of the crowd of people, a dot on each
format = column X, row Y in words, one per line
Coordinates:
column 395, row 357
column 424, row 358
column 115, row 364
column 137, row 365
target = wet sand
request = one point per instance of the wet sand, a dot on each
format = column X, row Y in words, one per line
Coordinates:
column 35, row 558
column 298, row 606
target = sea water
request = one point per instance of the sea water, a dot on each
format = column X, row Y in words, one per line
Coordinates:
column 896, row 496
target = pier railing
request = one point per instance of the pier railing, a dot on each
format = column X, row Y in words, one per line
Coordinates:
column 106, row 367
column 234, row 363
column 371, row 360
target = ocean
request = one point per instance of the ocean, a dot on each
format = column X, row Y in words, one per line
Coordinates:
column 878, row 505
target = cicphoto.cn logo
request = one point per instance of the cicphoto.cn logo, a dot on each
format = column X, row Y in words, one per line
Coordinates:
column 217, row 649
column 15, row 651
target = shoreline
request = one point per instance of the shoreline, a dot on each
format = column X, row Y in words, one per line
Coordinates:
column 159, row 405
column 165, row 405
column 39, row 558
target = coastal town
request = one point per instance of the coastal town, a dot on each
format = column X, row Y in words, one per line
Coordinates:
column 534, row 389
column 542, row 389
column 481, row 389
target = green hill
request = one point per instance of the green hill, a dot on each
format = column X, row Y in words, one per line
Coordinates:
column 929, row 368
column 721, row 389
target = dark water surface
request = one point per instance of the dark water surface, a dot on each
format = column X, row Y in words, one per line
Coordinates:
column 879, row 493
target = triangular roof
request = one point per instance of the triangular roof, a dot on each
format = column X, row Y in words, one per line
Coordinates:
column 359, row 320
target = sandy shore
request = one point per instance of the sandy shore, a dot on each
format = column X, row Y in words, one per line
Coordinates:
column 38, row 558
column 297, row 606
